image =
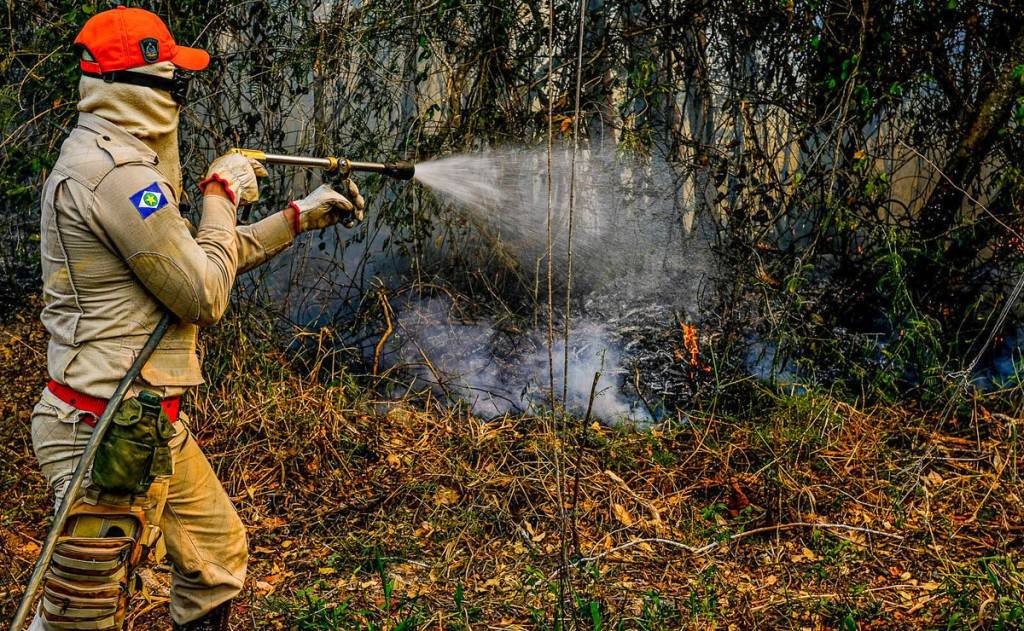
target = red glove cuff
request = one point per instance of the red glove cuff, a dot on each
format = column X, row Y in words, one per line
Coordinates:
column 215, row 177
column 296, row 224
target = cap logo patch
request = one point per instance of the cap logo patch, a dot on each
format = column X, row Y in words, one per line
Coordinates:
column 150, row 50
column 149, row 200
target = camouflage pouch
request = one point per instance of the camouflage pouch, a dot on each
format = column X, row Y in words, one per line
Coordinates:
column 135, row 449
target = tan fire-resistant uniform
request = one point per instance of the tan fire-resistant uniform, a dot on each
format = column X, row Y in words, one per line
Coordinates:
column 113, row 258
column 108, row 272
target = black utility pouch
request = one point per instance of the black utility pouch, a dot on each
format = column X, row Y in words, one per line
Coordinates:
column 135, row 449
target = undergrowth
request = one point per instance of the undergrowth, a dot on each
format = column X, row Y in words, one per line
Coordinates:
column 791, row 511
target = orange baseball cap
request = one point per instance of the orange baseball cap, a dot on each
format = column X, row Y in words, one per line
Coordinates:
column 123, row 38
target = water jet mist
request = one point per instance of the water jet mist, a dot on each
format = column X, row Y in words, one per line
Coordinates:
column 628, row 278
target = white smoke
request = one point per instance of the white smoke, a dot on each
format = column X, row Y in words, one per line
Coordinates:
column 496, row 376
column 633, row 267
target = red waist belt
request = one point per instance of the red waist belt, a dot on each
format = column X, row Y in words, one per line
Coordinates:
column 94, row 406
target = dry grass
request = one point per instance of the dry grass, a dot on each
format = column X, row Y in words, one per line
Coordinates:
column 805, row 513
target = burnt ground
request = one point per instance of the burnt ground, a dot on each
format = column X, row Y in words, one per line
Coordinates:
column 803, row 512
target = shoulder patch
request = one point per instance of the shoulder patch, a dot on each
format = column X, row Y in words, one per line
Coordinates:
column 149, row 200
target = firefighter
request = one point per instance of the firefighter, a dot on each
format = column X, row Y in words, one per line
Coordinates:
column 116, row 253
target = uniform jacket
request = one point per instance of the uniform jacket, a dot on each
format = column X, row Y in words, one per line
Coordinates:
column 116, row 252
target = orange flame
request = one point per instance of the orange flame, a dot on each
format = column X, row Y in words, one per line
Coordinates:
column 690, row 343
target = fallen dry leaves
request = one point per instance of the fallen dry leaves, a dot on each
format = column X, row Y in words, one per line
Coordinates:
column 344, row 498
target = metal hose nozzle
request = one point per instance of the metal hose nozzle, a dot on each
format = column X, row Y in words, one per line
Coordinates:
column 400, row 170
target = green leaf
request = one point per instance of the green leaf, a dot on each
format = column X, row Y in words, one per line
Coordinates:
column 849, row 623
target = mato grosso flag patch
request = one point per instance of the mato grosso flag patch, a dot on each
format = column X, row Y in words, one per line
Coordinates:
column 149, row 200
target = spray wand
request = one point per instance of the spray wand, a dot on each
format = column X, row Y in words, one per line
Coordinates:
column 399, row 170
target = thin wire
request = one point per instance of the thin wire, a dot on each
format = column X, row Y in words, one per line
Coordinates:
column 969, row 197
column 965, row 374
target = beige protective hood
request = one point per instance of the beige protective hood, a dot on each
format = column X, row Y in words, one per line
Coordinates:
column 148, row 114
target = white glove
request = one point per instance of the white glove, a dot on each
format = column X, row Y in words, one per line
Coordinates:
column 325, row 207
column 237, row 174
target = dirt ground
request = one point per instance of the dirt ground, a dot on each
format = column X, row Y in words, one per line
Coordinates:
column 805, row 513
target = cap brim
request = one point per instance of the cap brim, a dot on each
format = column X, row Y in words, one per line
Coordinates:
column 191, row 58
